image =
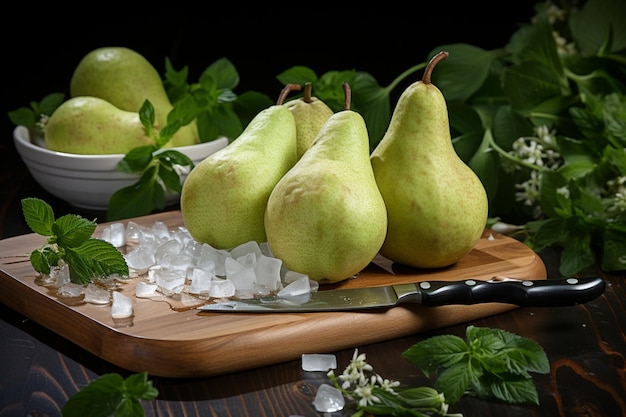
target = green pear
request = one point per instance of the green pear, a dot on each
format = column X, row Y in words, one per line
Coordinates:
column 310, row 113
column 326, row 217
column 437, row 206
column 126, row 79
column 93, row 126
column 224, row 196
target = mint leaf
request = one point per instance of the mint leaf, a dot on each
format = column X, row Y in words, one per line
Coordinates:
column 489, row 364
column 456, row 380
column 138, row 199
column 111, row 395
column 32, row 116
column 72, row 230
column 437, row 351
column 69, row 240
column 38, row 215
column 137, row 159
column 94, row 259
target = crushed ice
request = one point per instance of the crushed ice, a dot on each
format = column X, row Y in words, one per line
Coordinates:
column 169, row 262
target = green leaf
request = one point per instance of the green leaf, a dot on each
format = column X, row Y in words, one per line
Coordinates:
column 39, row 261
column 372, row 102
column 98, row 399
column 547, row 232
column 38, row 215
column 592, row 24
column 137, row 159
column 436, row 351
column 138, row 386
column 511, row 390
column 95, row 259
column 613, row 255
column 23, row 116
column 297, row 75
column 455, row 381
column 111, row 395
column 577, row 253
column 72, row 230
column 138, row 199
column 529, row 84
column 223, row 73
column 50, row 103
column 147, row 116
column 463, row 72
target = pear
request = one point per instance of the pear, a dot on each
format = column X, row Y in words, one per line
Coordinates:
column 93, row 126
column 310, row 113
column 326, row 217
column 126, row 79
column 437, row 206
column 223, row 199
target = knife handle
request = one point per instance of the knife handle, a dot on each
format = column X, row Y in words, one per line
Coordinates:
column 532, row 293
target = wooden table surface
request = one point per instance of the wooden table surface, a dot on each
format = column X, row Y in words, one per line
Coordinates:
column 586, row 346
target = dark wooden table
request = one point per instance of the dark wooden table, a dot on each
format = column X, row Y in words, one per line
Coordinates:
column 586, row 346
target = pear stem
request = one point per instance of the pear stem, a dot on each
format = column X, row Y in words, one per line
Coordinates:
column 348, row 95
column 440, row 56
column 308, row 92
column 285, row 92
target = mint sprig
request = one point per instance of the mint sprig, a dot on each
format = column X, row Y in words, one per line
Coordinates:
column 111, row 395
column 69, row 241
column 34, row 116
column 490, row 364
column 160, row 168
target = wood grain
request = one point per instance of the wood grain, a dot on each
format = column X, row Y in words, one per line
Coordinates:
column 182, row 344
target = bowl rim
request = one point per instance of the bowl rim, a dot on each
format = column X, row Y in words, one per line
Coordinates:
column 23, row 134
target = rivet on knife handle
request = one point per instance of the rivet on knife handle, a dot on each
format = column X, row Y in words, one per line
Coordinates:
column 534, row 293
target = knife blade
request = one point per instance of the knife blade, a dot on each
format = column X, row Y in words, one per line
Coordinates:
column 532, row 293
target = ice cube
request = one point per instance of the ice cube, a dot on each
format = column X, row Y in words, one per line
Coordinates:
column 160, row 231
column 115, row 234
column 298, row 287
column 328, row 399
column 291, row 276
column 215, row 257
column 222, row 288
column 95, row 294
column 248, row 260
column 318, row 362
column 60, row 275
column 134, row 232
column 145, row 289
column 140, row 258
column 122, row 306
column 177, row 262
column 193, row 249
column 246, row 249
column 243, row 279
column 169, row 248
column 267, row 270
column 169, row 281
column 200, row 281
column 70, row 289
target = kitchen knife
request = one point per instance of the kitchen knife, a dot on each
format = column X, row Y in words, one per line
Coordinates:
column 533, row 293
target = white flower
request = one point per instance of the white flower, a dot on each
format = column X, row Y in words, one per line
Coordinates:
column 366, row 397
column 530, row 189
column 386, row 384
column 564, row 191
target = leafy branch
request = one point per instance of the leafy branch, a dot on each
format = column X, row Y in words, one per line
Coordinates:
column 111, row 395
column 70, row 244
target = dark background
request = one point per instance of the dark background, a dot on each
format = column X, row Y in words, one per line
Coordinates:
column 41, row 51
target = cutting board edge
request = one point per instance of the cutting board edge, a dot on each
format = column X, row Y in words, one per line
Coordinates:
column 155, row 352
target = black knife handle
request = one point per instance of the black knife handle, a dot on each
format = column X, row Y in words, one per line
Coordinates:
column 533, row 293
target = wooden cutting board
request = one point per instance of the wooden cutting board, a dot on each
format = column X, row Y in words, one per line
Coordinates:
column 181, row 343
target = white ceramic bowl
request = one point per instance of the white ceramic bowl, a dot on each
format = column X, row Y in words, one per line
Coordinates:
column 88, row 181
